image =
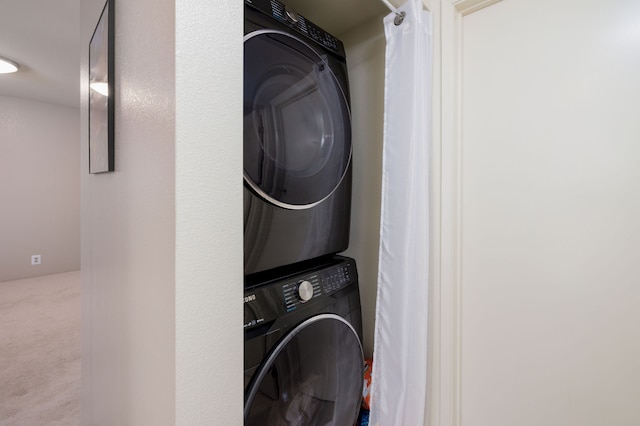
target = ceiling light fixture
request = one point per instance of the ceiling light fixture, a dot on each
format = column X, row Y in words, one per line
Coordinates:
column 7, row 66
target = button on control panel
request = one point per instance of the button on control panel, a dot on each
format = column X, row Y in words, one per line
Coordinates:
column 336, row 278
column 322, row 37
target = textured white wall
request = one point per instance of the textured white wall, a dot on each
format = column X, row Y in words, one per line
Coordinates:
column 550, row 214
column 365, row 47
column 209, row 271
column 40, row 190
column 128, row 227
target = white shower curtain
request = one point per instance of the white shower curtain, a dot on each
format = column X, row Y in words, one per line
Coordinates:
column 399, row 378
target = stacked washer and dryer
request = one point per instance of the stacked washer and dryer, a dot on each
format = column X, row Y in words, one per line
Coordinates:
column 302, row 318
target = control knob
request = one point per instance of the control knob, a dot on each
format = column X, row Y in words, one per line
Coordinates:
column 305, row 291
column 292, row 15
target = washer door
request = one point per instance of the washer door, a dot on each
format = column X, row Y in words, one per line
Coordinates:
column 297, row 127
column 312, row 377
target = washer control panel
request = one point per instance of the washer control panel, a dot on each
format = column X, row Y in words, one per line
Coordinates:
column 265, row 303
column 324, row 282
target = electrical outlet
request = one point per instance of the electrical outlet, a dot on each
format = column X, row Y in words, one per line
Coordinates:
column 36, row 259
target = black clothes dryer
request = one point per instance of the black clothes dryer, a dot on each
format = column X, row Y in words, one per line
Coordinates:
column 297, row 139
column 302, row 348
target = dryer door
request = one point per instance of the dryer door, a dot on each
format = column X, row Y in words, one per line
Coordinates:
column 312, row 377
column 297, row 127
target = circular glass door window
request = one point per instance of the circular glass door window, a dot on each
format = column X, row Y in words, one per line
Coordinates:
column 313, row 377
column 297, row 126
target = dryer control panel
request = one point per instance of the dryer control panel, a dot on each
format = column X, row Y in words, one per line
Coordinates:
column 291, row 18
column 270, row 301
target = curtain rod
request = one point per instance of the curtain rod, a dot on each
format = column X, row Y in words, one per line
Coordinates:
column 399, row 15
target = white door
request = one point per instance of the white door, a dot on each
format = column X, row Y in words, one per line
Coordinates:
column 549, row 199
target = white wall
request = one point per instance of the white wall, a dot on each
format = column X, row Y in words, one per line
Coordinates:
column 365, row 47
column 550, row 214
column 40, row 190
column 162, row 235
column 209, row 252
column 128, row 228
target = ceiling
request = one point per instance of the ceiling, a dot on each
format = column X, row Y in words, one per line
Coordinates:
column 338, row 16
column 43, row 36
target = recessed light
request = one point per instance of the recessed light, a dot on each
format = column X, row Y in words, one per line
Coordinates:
column 7, row 66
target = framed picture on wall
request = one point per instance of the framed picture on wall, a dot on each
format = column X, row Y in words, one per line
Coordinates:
column 101, row 91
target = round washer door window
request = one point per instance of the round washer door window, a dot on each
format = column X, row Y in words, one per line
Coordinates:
column 297, row 126
column 313, row 377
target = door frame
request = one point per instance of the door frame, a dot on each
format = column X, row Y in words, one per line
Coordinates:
column 444, row 407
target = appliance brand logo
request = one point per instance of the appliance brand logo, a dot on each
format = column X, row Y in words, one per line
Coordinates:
column 250, row 298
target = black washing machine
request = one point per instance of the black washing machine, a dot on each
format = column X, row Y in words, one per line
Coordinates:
column 297, row 139
column 302, row 347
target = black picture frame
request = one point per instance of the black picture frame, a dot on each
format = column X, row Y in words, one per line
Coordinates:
column 101, row 93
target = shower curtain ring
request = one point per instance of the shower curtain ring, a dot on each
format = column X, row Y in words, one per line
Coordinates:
column 399, row 18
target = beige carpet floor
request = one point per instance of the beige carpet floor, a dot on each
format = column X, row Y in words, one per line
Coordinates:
column 40, row 351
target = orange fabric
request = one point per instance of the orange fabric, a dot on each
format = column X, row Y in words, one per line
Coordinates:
column 366, row 389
